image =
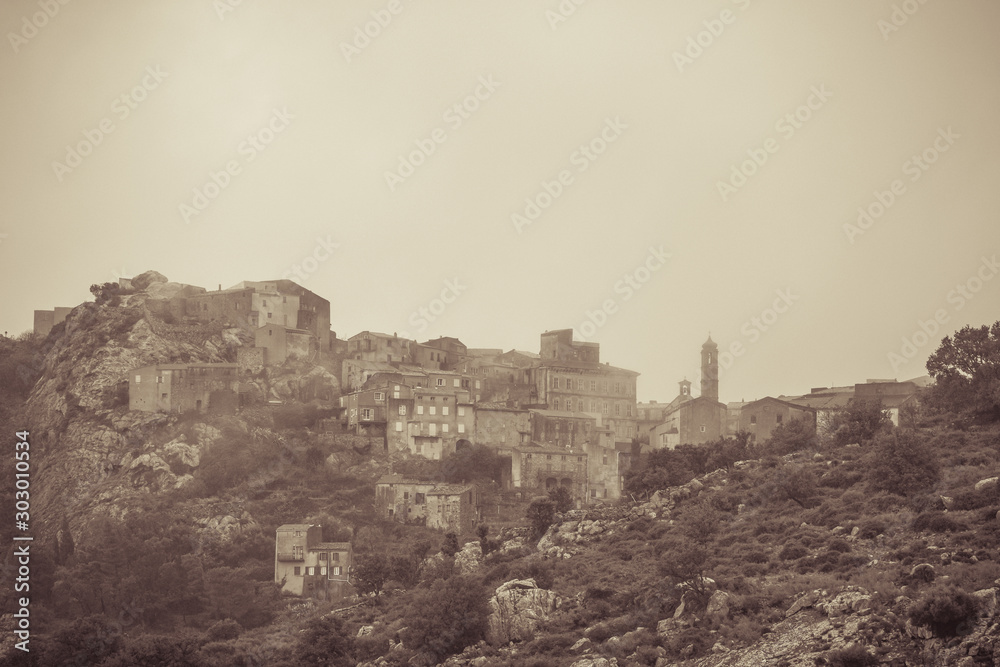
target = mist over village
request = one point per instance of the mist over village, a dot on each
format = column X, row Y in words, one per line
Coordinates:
column 384, row 333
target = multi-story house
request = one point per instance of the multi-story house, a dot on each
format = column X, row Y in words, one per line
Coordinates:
column 380, row 347
column 305, row 565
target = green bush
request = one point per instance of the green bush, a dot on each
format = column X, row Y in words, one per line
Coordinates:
column 793, row 551
column 946, row 611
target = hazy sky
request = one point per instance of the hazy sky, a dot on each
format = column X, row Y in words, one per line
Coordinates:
column 626, row 123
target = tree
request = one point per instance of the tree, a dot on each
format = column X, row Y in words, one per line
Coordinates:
column 562, row 498
column 792, row 436
column 861, row 421
column 471, row 464
column 799, row 485
column 325, row 642
column 966, row 370
column 902, row 462
column 106, row 293
column 541, row 513
column 371, row 573
column 662, row 468
column 449, row 616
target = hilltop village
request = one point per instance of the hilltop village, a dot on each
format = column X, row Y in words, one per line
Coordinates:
column 558, row 417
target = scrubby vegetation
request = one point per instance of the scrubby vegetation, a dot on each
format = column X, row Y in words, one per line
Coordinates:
column 707, row 554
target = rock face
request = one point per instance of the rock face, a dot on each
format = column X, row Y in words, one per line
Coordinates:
column 469, row 559
column 517, row 609
column 144, row 280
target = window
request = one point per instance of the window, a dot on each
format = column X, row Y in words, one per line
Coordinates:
column 420, row 409
column 138, row 379
column 322, row 570
column 461, row 428
column 269, row 315
column 163, row 396
column 618, row 409
column 593, row 385
column 753, row 419
column 297, row 571
column 579, row 385
column 477, row 387
column 419, row 499
column 433, row 410
column 323, row 556
column 432, row 428
column 778, row 418
column 628, row 410
column 440, row 382
column 605, row 462
column 556, row 404
column 702, row 428
column 444, row 409
column 604, row 408
column 336, row 571
column 311, row 570
column 402, row 411
column 399, row 427
column 335, row 558
column 618, row 387
column 367, row 414
column 406, row 495
column 379, row 396
column 555, row 383
column 461, row 411
column 454, row 383
column 444, row 428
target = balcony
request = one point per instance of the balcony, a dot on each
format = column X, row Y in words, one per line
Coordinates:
column 291, row 557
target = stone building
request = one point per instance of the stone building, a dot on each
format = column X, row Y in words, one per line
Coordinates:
column 197, row 387
column 380, row 347
column 759, row 418
column 569, row 377
column 305, row 565
column 451, row 507
column 541, row 468
column 690, row 420
column 46, row 319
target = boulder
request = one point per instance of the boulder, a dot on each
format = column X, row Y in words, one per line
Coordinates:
column 469, row 559
column 918, row 631
column 987, row 484
column 948, row 502
column 517, row 608
column 923, row 572
column 144, row 280
column 718, row 606
column 806, row 600
column 987, row 602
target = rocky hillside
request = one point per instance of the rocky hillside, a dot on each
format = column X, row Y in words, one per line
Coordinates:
column 94, row 456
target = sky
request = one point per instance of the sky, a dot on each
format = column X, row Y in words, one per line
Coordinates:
column 813, row 184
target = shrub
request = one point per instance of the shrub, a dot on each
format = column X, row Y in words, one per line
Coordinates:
column 902, row 463
column 937, row 522
column 448, row 617
column 541, row 513
column 840, row 477
column 224, row 629
column 793, row 551
column 854, row 655
column 946, row 611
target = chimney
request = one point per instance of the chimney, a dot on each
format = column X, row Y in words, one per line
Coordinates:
column 220, row 287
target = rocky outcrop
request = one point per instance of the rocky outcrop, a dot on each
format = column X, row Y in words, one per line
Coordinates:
column 516, row 610
column 144, row 280
column 469, row 559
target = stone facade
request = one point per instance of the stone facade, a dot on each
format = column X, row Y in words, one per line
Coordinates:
column 452, row 507
column 198, row 387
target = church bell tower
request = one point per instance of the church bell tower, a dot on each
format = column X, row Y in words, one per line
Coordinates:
column 710, row 370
